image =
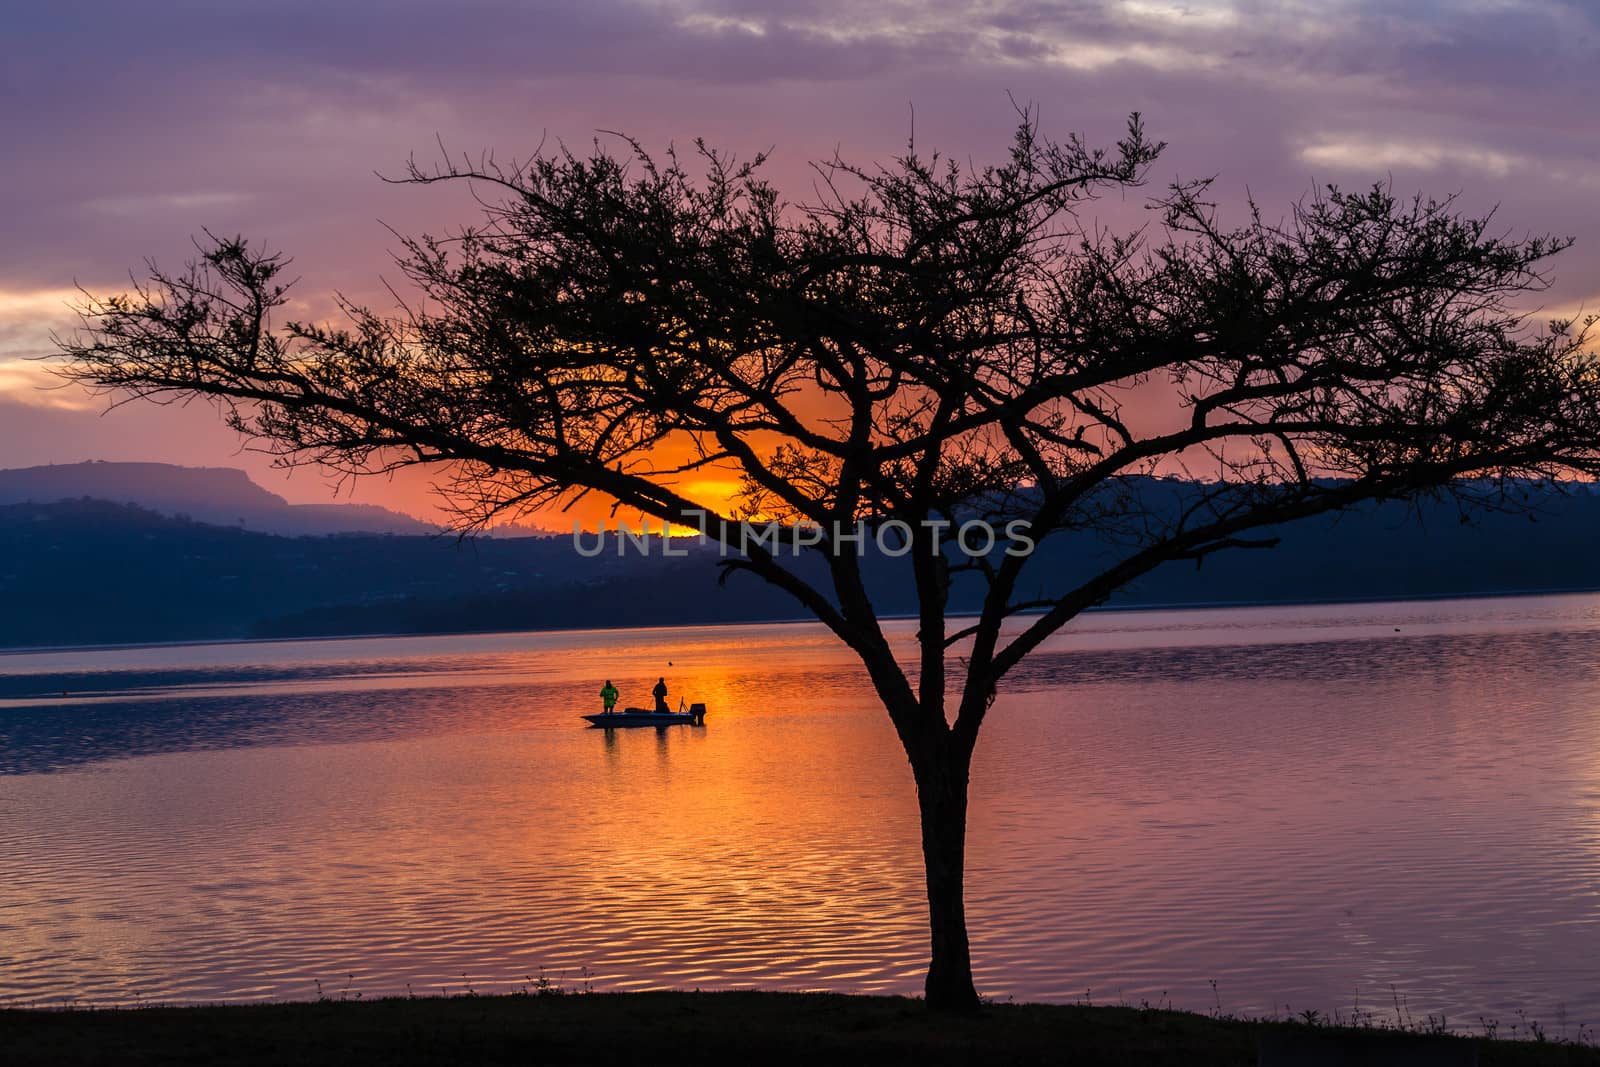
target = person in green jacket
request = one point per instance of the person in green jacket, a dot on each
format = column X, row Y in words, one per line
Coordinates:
column 609, row 695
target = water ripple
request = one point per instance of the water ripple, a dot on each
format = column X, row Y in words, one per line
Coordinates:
column 1300, row 805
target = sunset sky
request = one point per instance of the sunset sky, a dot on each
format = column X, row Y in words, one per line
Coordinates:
column 128, row 128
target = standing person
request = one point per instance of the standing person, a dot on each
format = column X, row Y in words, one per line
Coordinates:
column 609, row 695
column 660, row 693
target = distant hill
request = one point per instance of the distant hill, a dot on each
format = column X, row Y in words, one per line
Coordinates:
column 221, row 496
column 97, row 572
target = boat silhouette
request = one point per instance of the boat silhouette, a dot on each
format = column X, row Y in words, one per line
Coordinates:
column 694, row 716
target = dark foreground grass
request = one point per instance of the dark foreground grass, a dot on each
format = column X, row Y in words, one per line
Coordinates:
column 711, row 1028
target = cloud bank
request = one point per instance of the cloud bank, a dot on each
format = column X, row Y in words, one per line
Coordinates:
column 130, row 128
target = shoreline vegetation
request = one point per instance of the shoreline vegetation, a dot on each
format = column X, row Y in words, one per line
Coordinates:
column 1121, row 609
column 545, row 1025
column 102, row 574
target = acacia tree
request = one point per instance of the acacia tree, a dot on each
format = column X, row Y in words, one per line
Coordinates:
column 920, row 342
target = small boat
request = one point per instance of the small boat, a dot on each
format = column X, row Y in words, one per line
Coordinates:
column 695, row 716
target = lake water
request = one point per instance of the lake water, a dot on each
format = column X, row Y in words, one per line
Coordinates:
column 1311, row 807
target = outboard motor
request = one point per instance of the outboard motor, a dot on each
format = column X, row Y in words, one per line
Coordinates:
column 698, row 714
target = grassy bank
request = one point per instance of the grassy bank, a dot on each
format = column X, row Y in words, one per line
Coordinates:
column 709, row 1028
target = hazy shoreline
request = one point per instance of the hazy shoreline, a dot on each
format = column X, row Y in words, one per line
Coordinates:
column 1504, row 594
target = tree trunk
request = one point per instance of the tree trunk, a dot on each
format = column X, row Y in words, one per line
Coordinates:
column 942, row 796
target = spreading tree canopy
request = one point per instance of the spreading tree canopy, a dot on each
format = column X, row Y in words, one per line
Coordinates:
column 917, row 342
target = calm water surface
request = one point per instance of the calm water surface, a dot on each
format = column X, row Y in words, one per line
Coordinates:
column 1308, row 806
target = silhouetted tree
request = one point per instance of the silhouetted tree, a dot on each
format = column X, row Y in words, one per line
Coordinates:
column 924, row 342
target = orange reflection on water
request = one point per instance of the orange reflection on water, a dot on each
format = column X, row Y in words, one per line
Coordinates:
column 1299, row 803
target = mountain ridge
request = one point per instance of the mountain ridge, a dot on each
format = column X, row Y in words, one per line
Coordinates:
column 221, row 496
column 93, row 572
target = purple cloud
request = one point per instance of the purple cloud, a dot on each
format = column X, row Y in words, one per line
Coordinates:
column 130, row 128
